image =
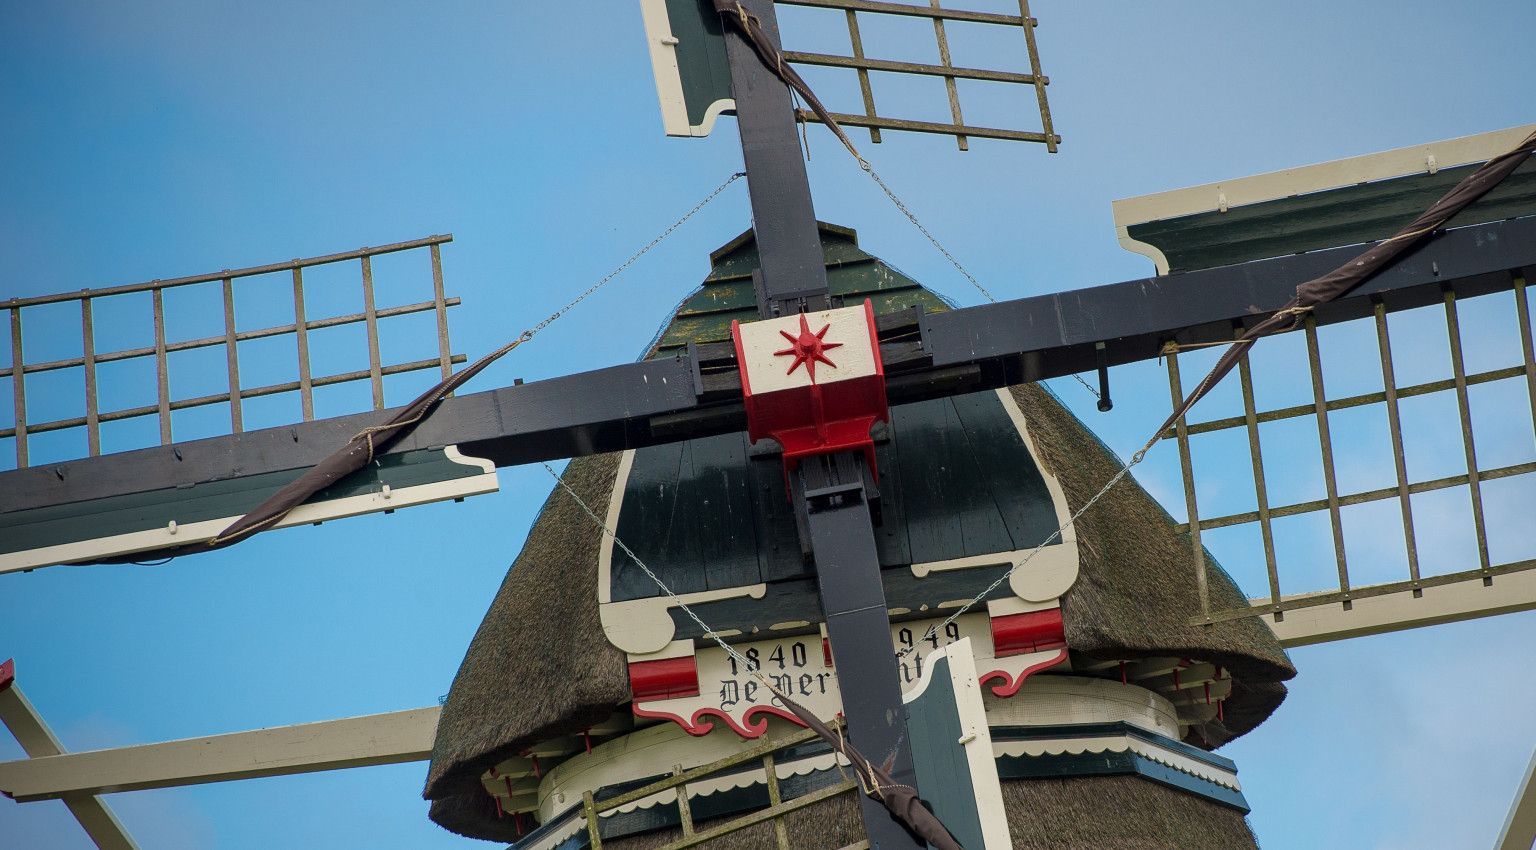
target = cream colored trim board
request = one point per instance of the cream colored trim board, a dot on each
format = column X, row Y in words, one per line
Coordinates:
column 662, row 45
column 1370, row 615
column 400, row 736
column 38, row 741
column 1058, row 700
column 1053, row 572
column 1385, row 165
column 1519, row 831
column 1118, row 744
column 976, row 741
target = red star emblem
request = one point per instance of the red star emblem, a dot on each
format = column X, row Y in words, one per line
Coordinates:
column 807, row 348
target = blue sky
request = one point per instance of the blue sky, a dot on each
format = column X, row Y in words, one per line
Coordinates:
column 162, row 139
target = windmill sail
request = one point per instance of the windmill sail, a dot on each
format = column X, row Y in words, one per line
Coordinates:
column 1306, row 208
column 176, row 518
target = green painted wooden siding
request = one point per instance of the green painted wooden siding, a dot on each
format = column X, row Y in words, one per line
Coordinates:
column 1345, row 216
column 700, row 51
column 956, row 479
column 76, row 521
column 943, row 772
column 727, row 294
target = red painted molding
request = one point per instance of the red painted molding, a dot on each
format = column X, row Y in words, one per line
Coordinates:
column 1035, row 631
column 754, row 721
column 664, row 679
column 1008, row 685
column 7, row 673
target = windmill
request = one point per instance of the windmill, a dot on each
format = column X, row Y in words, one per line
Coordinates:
column 1069, row 358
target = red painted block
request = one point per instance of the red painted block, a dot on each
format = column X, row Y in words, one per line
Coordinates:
column 664, row 679
column 1035, row 631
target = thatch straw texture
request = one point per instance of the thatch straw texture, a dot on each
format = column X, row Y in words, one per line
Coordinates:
column 1136, row 591
column 540, row 666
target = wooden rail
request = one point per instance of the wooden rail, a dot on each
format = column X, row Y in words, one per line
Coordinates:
column 593, row 809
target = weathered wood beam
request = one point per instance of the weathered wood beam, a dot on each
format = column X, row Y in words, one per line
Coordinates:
column 38, row 741
column 393, row 738
column 1372, row 615
column 1519, row 831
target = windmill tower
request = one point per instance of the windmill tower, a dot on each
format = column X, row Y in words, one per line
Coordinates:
column 935, row 371
column 1099, row 693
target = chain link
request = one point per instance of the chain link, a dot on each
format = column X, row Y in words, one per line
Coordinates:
column 933, row 240
column 1055, row 535
column 528, row 334
column 676, row 600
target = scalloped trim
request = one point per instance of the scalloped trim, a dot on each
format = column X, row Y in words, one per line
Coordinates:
column 732, row 782
column 1119, row 744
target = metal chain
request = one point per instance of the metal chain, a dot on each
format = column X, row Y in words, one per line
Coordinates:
column 676, row 600
column 1055, row 535
column 470, row 371
column 912, row 217
column 528, row 334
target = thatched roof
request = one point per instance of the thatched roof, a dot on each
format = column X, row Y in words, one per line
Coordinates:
column 541, row 667
column 1091, row 813
column 1136, row 590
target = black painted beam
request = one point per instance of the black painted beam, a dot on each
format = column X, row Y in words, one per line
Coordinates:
column 974, row 348
column 829, row 495
column 836, row 509
column 783, row 218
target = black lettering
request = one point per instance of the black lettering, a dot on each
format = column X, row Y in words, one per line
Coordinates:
column 730, row 693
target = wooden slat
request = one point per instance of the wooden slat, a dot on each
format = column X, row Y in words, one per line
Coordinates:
column 38, row 741
column 1325, row 445
column 1464, row 408
column 1186, row 467
column 88, row 361
column 1260, row 485
column 18, row 389
column 761, row 815
column 162, row 367
column 232, row 359
column 722, row 489
column 645, row 523
column 371, row 320
column 393, row 738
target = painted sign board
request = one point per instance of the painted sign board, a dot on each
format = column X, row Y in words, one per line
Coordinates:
column 693, row 77
column 716, row 689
